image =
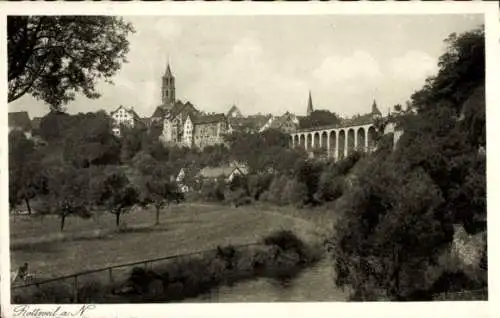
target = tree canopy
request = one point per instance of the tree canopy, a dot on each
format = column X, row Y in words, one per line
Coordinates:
column 319, row 118
column 54, row 57
column 400, row 216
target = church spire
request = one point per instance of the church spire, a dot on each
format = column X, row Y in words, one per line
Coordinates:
column 310, row 108
column 168, row 71
column 375, row 110
column 168, row 87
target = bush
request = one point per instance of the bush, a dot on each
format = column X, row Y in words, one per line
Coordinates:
column 294, row 193
column 213, row 191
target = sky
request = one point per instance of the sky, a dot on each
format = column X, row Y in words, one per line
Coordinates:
column 268, row 64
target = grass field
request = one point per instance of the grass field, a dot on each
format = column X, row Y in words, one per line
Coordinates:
column 95, row 243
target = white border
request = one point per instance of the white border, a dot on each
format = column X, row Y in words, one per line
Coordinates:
column 385, row 310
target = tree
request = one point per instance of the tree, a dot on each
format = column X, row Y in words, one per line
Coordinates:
column 54, row 57
column 262, row 152
column 25, row 180
column 68, row 190
column 319, row 118
column 158, row 190
column 132, row 139
column 116, row 193
column 90, row 141
column 55, row 125
column 399, row 218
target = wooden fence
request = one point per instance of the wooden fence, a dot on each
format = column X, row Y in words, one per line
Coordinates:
column 110, row 271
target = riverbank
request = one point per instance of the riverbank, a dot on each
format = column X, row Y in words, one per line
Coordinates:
column 281, row 255
column 185, row 228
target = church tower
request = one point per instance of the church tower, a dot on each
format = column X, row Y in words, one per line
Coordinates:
column 375, row 111
column 310, row 108
column 168, row 88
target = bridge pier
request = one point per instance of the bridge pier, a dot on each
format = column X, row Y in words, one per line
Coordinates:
column 340, row 141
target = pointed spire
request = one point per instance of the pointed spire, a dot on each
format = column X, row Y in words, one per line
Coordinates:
column 168, row 71
column 310, row 108
column 375, row 110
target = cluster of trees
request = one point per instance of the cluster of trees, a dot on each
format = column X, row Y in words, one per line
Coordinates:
column 319, row 118
column 399, row 219
column 80, row 170
column 304, row 182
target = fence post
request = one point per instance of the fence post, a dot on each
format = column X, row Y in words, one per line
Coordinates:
column 75, row 289
column 110, row 271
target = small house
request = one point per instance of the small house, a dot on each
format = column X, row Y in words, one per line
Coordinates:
column 227, row 172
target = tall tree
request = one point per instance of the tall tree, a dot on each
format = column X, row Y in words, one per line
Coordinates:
column 90, row 141
column 116, row 193
column 400, row 215
column 25, row 180
column 54, row 57
column 68, row 193
column 158, row 190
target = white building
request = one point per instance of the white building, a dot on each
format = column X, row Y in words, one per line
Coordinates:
column 123, row 116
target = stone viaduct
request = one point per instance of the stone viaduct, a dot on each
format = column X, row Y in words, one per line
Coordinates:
column 337, row 141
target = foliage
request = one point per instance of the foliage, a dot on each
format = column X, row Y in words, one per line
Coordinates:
column 258, row 184
column 213, row 190
column 294, row 193
column 398, row 218
column 319, row 118
column 157, row 189
column 115, row 193
column 263, row 152
column 25, row 179
column 54, row 57
column 55, row 125
column 90, row 141
column 132, row 141
column 68, row 193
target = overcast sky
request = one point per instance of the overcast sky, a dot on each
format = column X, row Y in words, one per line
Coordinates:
column 268, row 64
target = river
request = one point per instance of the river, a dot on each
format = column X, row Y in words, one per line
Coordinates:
column 312, row 284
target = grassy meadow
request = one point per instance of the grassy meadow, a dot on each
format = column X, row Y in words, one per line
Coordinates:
column 87, row 244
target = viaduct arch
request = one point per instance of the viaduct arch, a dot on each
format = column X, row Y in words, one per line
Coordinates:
column 339, row 142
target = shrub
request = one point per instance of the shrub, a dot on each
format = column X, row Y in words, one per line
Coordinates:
column 294, row 193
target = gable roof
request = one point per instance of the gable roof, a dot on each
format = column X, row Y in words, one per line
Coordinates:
column 159, row 112
column 279, row 122
column 19, row 120
column 128, row 110
column 209, row 172
column 253, row 122
column 172, row 111
column 208, row 119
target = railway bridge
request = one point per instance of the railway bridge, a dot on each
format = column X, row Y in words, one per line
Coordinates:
column 337, row 141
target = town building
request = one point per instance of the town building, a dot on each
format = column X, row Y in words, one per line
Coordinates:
column 184, row 125
column 20, row 121
column 177, row 125
column 227, row 173
column 208, row 130
column 234, row 112
column 249, row 124
column 287, row 123
column 124, row 116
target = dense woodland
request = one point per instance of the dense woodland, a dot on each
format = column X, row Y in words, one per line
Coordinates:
column 397, row 206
